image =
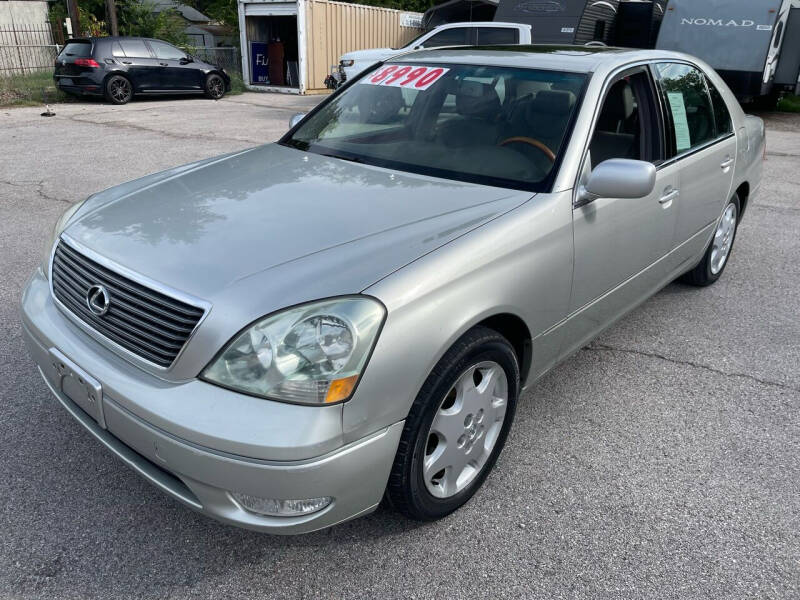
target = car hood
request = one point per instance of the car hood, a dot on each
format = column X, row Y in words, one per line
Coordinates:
column 373, row 54
column 280, row 222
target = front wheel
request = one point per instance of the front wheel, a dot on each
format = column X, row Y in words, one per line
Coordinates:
column 716, row 257
column 215, row 86
column 119, row 90
column 456, row 428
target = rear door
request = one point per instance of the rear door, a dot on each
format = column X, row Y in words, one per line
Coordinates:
column 703, row 145
column 175, row 73
column 140, row 65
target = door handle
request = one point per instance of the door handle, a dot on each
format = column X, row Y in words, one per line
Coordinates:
column 726, row 163
column 669, row 196
column 127, row 62
column 164, row 64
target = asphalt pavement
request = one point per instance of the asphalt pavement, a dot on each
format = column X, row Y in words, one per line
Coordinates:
column 661, row 461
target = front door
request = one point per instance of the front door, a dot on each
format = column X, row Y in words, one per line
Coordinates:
column 176, row 73
column 621, row 244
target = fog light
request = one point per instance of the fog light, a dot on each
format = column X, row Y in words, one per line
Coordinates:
column 281, row 508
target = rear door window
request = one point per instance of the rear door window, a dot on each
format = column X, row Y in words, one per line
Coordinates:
column 457, row 36
column 722, row 117
column 134, row 48
column 116, row 49
column 497, row 36
column 77, row 49
column 688, row 105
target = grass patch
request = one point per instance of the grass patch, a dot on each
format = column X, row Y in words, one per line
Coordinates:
column 789, row 103
column 26, row 90
column 237, row 84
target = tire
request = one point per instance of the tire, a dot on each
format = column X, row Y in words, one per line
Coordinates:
column 709, row 269
column 423, row 493
column 215, row 86
column 118, row 89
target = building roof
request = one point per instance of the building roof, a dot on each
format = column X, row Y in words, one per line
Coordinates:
column 187, row 12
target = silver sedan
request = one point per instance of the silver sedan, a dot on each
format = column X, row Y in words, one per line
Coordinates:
column 283, row 337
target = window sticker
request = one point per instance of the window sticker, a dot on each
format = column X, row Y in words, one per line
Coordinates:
column 683, row 138
column 416, row 77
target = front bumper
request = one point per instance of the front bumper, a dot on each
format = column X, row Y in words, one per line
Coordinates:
column 199, row 475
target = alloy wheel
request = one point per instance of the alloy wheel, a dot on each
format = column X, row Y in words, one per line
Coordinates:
column 120, row 89
column 465, row 429
column 216, row 88
column 723, row 239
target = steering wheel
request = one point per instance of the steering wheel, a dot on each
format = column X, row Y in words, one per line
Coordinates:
column 535, row 143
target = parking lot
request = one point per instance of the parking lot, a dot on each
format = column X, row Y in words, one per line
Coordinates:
column 661, row 461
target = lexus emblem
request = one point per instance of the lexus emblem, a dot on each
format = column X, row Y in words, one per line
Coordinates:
column 98, row 300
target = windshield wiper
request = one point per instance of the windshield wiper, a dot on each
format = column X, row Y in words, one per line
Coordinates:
column 339, row 156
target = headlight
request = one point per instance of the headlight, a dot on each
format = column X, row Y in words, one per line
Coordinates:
column 309, row 354
column 347, row 63
column 60, row 226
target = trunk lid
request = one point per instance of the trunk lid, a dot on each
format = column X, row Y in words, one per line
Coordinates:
column 65, row 61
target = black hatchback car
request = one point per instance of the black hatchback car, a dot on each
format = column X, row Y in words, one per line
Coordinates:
column 121, row 67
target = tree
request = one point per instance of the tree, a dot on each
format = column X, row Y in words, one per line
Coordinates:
column 140, row 19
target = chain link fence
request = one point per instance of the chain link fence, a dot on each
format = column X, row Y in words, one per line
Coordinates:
column 229, row 58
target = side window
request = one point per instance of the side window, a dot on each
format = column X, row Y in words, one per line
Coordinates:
column 116, row 49
column 722, row 118
column 497, row 36
column 456, row 36
column 688, row 103
column 626, row 126
column 134, row 48
column 166, row 51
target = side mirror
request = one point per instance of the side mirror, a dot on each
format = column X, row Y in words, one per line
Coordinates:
column 618, row 178
column 186, row 60
column 296, row 119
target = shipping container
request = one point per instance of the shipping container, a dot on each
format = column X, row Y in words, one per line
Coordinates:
column 292, row 46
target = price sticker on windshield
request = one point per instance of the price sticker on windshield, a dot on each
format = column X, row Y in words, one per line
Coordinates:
column 413, row 77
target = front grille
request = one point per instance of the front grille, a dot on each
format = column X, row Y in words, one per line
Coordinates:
column 145, row 322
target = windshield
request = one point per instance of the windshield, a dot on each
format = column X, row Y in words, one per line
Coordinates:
column 485, row 124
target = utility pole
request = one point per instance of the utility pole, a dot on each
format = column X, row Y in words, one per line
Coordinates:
column 111, row 7
column 72, row 10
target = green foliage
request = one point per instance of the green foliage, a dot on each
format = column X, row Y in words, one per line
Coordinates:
column 409, row 5
column 789, row 103
column 139, row 19
column 225, row 11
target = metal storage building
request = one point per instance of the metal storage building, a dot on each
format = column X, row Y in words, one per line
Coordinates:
column 291, row 46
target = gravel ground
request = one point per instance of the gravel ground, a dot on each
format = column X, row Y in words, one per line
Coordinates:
column 661, row 461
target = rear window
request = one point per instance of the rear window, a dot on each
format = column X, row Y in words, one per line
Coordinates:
column 77, row 49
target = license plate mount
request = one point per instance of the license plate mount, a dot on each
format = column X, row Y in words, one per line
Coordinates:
column 77, row 385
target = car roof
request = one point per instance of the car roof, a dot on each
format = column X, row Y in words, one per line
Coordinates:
column 577, row 59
